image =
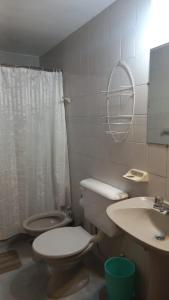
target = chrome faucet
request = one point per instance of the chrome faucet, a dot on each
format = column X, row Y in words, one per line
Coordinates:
column 160, row 205
column 158, row 202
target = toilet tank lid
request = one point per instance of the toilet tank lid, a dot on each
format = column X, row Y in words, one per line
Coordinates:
column 103, row 189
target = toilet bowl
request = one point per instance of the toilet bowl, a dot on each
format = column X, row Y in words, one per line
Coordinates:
column 63, row 248
column 43, row 222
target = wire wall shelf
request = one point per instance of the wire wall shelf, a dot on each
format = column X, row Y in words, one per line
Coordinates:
column 118, row 125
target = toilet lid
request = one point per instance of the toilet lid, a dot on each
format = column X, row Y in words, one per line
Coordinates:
column 62, row 242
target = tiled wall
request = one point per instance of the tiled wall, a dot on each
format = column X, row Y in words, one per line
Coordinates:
column 20, row 59
column 86, row 58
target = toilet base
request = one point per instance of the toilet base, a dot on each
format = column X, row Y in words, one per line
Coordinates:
column 63, row 283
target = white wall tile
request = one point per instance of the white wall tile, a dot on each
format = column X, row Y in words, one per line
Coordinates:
column 139, row 134
column 139, row 66
column 123, row 16
column 141, row 99
column 157, row 159
column 143, row 19
column 128, row 45
column 12, row 58
column 139, row 156
column 157, row 186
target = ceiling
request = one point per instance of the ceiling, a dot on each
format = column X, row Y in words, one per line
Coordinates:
column 35, row 26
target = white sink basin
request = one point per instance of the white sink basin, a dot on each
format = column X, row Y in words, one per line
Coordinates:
column 138, row 218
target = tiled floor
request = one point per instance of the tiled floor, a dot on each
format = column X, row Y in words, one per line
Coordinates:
column 30, row 281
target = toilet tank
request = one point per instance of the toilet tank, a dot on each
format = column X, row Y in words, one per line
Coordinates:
column 96, row 197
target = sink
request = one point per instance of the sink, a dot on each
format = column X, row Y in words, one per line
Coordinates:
column 150, row 228
column 137, row 217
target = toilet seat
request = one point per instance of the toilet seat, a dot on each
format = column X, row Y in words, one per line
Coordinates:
column 62, row 242
column 42, row 222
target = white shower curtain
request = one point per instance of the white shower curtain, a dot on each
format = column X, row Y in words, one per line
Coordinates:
column 34, row 173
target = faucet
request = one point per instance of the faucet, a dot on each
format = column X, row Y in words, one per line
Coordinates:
column 158, row 202
column 160, row 205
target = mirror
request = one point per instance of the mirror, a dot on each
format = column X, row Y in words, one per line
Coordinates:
column 158, row 99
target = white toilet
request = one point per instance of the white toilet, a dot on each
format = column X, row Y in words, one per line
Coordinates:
column 42, row 222
column 64, row 247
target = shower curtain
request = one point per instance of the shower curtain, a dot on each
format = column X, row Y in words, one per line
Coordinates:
column 34, row 173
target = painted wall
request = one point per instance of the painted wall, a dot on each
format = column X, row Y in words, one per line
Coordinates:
column 86, row 58
column 12, row 58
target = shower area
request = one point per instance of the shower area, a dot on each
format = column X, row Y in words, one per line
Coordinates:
column 34, row 170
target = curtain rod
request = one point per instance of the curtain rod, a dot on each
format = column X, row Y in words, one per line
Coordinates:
column 65, row 99
column 32, row 68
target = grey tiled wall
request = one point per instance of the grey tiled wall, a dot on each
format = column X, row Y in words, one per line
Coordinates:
column 87, row 57
column 18, row 59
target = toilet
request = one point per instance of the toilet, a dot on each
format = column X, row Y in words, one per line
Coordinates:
column 63, row 248
column 42, row 222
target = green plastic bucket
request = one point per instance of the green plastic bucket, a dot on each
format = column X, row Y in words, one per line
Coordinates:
column 120, row 278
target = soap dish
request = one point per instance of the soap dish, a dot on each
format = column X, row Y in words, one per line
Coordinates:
column 137, row 175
